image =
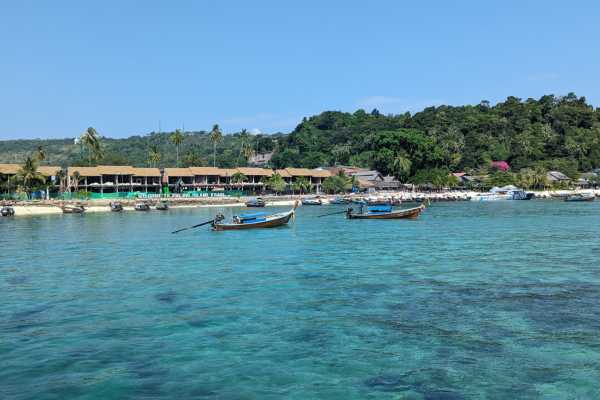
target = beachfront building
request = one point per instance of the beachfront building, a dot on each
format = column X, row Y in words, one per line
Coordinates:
column 255, row 176
column 113, row 179
column 554, row 177
column 178, row 179
column 8, row 173
column 314, row 176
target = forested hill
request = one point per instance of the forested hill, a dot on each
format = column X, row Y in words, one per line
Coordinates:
column 550, row 133
column 196, row 149
column 560, row 133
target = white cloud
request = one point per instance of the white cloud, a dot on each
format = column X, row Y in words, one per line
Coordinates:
column 255, row 131
column 395, row 105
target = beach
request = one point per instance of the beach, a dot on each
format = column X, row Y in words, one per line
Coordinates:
column 33, row 208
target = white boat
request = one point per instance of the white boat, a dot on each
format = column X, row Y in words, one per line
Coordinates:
column 508, row 192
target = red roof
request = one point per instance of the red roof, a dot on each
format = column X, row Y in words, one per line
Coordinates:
column 501, row 165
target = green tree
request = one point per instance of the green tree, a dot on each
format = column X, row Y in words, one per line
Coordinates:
column 75, row 179
column 215, row 137
column 40, row 154
column 302, row 185
column 28, row 176
column 275, row 182
column 154, row 156
column 177, row 139
column 240, row 178
column 91, row 141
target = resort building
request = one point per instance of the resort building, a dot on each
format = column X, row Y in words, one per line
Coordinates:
column 9, row 172
column 315, row 176
column 114, row 179
column 557, row 177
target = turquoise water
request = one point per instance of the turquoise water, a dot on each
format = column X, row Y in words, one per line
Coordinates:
column 498, row 300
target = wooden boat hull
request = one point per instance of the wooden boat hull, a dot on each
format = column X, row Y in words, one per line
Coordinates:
column 312, row 202
column 73, row 210
column 278, row 220
column 410, row 213
column 252, row 204
column 7, row 211
column 574, row 199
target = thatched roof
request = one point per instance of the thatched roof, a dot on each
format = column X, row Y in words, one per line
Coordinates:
column 154, row 172
column 315, row 173
column 13, row 169
column 178, row 172
column 255, row 171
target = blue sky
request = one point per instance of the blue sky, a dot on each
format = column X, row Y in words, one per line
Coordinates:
column 121, row 66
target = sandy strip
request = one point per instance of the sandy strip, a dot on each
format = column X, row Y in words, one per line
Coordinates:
column 32, row 210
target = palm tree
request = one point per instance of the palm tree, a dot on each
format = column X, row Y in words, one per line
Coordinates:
column 75, row 179
column 177, row 138
column 62, row 178
column 302, row 184
column 238, row 177
column 215, row 137
column 154, row 156
column 40, row 154
column 246, row 149
column 29, row 177
column 90, row 139
column 340, row 151
column 275, row 182
column 401, row 167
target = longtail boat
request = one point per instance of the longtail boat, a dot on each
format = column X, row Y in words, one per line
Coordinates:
column 580, row 197
column 7, row 211
column 162, row 206
column 258, row 202
column 116, row 206
column 73, row 208
column 141, row 206
column 385, row 212
column 253, row 220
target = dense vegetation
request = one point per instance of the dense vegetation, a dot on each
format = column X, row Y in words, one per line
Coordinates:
column 558, row 133
column 561, row 133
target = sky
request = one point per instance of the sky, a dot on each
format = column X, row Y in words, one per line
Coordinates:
column 130, row 67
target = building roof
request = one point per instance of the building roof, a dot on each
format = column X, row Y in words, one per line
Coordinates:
column 146, row 172
column 255, row 171
column 9, row 169
column 557, row 176
column 369, row 175
column 283, row 173
column 13, row 169
column 83, row 171
column 103, row 170
column 206, row 171
column 116, row 169
column 49, row 170
column 315, row 173
column 178, row 172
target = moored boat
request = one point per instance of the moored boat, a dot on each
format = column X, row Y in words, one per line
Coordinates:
column 141, row 206
column 580, row 197
column 73, row 208
column 116, row 206
column 312, row 201
column 253, row 220
column 7, row 211
column 385, row 212
column 339, row 200
column 257, row 202
column 162, row 206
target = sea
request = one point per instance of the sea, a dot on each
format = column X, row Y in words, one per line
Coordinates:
column 495, row 300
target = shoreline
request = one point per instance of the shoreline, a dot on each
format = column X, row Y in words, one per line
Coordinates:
column 50, row 207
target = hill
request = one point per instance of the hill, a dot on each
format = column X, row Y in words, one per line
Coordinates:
column 552, row 132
